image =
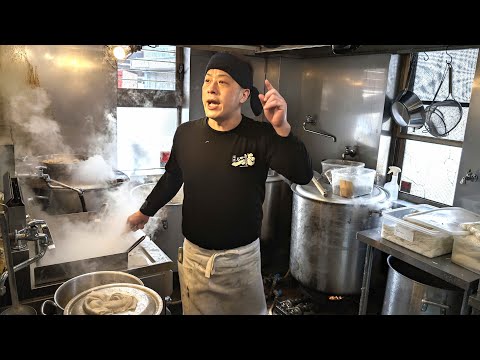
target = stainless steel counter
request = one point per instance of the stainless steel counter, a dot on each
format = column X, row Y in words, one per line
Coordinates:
column 147, row 261
column 440, row 266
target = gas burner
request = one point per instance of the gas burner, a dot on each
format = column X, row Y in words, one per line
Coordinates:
column 326, row 298
column 310, row 302
column 298, row 306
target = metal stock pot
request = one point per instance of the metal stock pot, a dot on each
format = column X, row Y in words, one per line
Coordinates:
column 325, row 255
column 148, row 302
column 71, row 288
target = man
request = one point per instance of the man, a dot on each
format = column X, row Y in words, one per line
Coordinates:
column 223, row 161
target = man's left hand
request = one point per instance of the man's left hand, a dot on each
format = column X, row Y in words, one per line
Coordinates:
column 275, row 109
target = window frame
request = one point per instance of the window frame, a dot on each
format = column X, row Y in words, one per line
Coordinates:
column 151, row 98
column 157, row 98
column 400, row 135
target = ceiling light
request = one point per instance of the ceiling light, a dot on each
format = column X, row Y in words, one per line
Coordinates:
column 121, row 52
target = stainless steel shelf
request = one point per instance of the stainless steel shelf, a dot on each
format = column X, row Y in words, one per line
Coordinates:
column 440, row 266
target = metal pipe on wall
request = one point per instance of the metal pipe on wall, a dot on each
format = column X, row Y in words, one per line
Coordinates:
column 8, row 257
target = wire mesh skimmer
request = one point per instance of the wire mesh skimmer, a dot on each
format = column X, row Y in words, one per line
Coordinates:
column 442, row 117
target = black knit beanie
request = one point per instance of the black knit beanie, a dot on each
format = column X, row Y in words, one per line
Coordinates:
column 241, row 72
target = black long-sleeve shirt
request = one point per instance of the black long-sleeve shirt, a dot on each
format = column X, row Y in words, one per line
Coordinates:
column 224, row 174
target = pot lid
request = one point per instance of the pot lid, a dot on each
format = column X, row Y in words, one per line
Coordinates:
column 118, row 299
column 311, row 192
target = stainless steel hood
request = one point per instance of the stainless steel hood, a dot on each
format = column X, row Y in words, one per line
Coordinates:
column 317, row 51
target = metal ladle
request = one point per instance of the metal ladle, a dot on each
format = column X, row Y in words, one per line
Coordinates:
column 319, row 186
column 136, row 243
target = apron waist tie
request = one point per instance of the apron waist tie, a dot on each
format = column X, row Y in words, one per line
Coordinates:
column 210, row 268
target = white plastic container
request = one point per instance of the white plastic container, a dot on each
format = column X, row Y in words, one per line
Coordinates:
column 351, row 182
column 448, row 219
column 466, row 252
column 466, row 246
column 422, row 240
column 330, row 164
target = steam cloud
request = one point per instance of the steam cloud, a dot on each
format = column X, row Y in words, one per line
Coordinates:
column 27, row 109
column 94, row 170
column 90, row 235
column 33, row 132
column 27, row 106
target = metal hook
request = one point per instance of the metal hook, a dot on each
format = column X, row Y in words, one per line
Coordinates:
column 451, row 58
column 426, row 56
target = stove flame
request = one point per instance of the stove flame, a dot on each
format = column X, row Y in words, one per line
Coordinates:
column 335, row 298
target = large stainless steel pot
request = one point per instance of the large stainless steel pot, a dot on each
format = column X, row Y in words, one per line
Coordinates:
column 148, row 302
column 65, row 201
column 71, row 288
column 61, row 200
column 277, row 215
column 60, row 166
column 325, row 255
column 411, row 291
column 167, row 222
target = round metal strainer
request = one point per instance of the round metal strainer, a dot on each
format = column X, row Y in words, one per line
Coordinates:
column 148, row 301
column 442, row 117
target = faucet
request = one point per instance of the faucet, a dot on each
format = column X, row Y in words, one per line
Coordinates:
column 469, row 176
column 349, row 151
column 309, row 119
column 30, row 232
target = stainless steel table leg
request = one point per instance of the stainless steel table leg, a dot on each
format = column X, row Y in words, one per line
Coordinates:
column 367, row 272
column 465, row 310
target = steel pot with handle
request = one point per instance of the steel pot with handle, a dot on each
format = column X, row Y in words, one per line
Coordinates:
column 407, row 109
column 412, row 291
column 116, row 299
column 71, row 288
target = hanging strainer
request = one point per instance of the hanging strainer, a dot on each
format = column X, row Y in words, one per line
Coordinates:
column 442, row 117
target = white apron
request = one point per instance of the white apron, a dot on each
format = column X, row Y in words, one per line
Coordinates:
column 221, row 282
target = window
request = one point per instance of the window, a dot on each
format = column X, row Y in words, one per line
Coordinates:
column 150, row 83
column 152, row 68
column 430, row 163
column 142, row 134
column 149, row 78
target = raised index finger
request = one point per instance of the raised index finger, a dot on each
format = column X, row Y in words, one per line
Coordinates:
column 268, row 85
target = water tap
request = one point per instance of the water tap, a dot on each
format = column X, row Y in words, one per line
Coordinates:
column 469, row 176
column 349, row 151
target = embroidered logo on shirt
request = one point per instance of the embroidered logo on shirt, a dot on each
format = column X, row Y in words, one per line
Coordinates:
column 243, row 161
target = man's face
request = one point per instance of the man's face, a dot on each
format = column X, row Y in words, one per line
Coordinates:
column 222, row 97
